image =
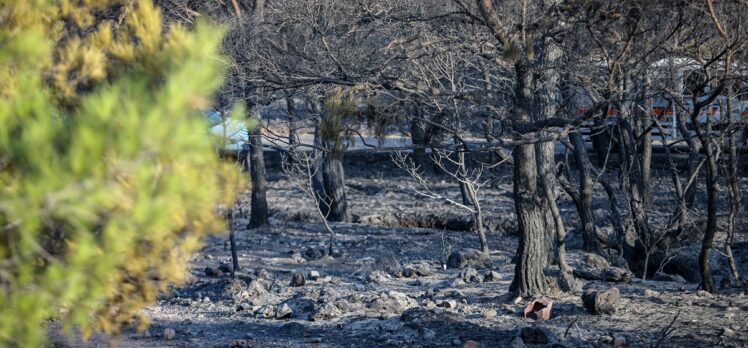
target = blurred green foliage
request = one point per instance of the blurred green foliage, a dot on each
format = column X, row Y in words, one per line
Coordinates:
column 108, row 180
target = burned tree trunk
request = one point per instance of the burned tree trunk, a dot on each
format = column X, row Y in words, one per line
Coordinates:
column 334, row 204
column 259, row 209
column 584, row 203
column 529, row 277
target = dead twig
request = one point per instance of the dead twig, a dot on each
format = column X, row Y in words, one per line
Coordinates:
column 666, row 331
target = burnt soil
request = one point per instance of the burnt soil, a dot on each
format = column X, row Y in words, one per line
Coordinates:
column 387, row 284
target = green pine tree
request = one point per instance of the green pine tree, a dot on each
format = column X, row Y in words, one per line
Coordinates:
column 108, row 181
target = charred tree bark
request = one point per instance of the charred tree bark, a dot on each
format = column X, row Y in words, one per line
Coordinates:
column 335, row 204
column 259, row 208
column 584, row 203
column 529, row 277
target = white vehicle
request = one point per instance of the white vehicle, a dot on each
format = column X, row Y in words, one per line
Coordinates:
column 232, row 136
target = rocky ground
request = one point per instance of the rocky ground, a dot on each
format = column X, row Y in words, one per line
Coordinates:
column 388, row 283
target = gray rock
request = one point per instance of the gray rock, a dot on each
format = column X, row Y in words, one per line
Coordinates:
column 423, row 270
column 314, row 252
column 595, row 261
column 169, row 334
column 266, row 311
column 469, row 275
column 378, row 277
column 537, row 335
column 492, row 276
column 488, row 314
column 313, row 275
column 449, row 304
column 388, row 264
column 464, row 257
column 298, row 279
column 244, row 306
column 283, row 312
column 728, row 332
column 325, row 312
column 256, row 288
column 601, row 302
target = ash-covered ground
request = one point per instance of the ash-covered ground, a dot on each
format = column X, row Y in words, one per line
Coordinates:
column 388, row 285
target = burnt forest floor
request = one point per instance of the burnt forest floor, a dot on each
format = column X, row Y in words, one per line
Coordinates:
column 387, row 285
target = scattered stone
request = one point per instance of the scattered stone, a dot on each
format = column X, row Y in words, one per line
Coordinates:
column 313, row 275
column 256, row 288
column 601, row 302
column 595, row 261
column 468, row 274
column 492, row 276
column 651, row 293
column 266, row 311
column 610, row 274
column 488, row 314
column 449, row 304
column 325, row 312
column 619, row 341
column 703, row 293
column 359, row 287
column 728, row 332
column 457, row 282
column 464, row 257
column 298, row 279
column 244, row 306
column 388, row 264
column 169, row 334
column 408, row 273
column 212, row 272
column 283, row 312
column 224, row 267
column 423, row 270
column 314, row 252
column 378, row 277
column 537, row 335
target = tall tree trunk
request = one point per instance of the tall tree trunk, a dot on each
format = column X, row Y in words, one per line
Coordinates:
column 535, row 251
column 335, row 205
column 712, row 190
column 259, row 209
column 633, row 183
column 584, row 203
column 732, row 188
column 293, row 137
column 529, row 277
